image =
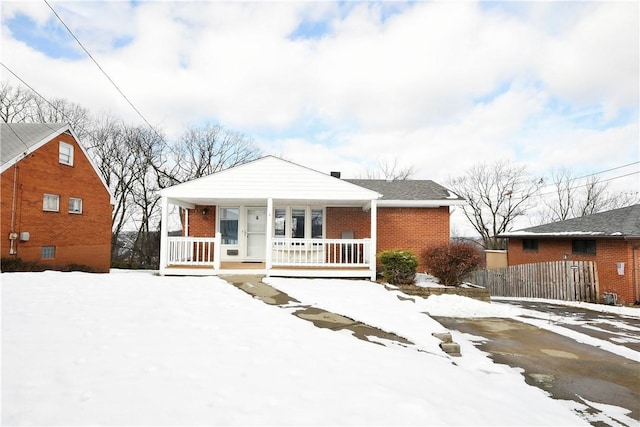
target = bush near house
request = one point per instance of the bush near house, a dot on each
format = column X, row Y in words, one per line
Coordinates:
column 451, row 262
column 17, row 264
column 398, row 266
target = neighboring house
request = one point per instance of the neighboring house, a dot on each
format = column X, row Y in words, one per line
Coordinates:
column 274, row 217
column 611, row 239
column 56, row 207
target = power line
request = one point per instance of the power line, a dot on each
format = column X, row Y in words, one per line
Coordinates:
column 101, row 69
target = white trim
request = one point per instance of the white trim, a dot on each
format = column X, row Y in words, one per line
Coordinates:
column 419, row 203
column 374, row 239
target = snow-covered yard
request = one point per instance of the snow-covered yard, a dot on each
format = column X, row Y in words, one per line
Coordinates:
column 133, row 348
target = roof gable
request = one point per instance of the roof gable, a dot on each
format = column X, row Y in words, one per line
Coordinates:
column 20, row 139
column 623, row 222
column 269, row 177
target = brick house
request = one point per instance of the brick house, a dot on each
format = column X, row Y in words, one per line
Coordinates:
column 611, row 239
column 56, row 207
column 274, row 217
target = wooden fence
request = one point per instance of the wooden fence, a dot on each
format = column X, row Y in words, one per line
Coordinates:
column 563, row 280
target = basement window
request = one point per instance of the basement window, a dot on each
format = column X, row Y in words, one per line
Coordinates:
column 583, row 247
column 48, row 252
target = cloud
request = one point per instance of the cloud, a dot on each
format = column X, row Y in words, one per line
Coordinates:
column 437, row 85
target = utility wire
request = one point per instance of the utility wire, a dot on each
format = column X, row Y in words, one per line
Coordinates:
column 102, row 70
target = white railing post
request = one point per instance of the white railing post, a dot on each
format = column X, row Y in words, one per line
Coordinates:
column 373, row 245
column 217, row 251
column 164, row 237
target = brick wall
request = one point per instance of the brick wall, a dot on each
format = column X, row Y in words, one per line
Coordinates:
column 415, row 229
column 608, row 253
column 201, row 225
column 79, row 238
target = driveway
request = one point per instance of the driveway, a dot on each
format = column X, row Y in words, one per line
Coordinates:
column 563, row 367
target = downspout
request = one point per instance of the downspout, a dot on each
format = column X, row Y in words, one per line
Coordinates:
column 635, row 274
column 13, row 251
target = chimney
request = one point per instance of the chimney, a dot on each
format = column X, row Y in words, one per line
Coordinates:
column 335, row 174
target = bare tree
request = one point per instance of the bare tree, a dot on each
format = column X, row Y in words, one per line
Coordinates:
column 497, row 194
column 391, row 171
column 15, row 103
column 572, row 198
column 208, row 149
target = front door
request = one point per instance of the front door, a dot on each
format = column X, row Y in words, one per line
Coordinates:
column 256, row 233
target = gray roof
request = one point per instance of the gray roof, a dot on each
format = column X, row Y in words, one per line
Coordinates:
column 623, row 222
column 18, row 138
column 407, row 189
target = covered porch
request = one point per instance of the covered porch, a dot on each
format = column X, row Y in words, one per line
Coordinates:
column 270, row 217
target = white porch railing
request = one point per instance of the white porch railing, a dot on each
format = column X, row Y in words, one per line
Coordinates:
column 194, row 251
column 321, row 252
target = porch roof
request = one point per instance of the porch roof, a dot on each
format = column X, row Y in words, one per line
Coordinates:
column 270, row 177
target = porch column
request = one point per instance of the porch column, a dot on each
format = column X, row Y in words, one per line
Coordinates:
column 374, row 239
column 164, row 206
column 268, row 241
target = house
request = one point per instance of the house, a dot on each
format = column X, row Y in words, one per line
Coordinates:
column 611, row 239
column 274, row 217
column 56, row 207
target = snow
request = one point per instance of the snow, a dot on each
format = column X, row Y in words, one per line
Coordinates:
column 135, row 348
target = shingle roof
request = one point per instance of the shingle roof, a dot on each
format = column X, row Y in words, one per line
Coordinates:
column 407, row 189
column 17, row 138
column 623, row 222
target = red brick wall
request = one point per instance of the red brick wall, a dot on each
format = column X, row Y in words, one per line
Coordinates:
column 415, row 229
column 79, row 238
column 201, row 225
column 608, row 253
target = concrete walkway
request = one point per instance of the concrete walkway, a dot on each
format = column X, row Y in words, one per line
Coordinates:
column 253, row 285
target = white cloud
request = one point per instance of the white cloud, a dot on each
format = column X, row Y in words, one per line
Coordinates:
column 436, row 85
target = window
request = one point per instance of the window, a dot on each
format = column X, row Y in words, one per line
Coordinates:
column 65, row 154
column 280, row 226
column 530, row 245
column 316, row 223
column 75, row 205
column 48, row 252
column 299, row 223
column 229, row 225
column 51, row 202
column 584, row 247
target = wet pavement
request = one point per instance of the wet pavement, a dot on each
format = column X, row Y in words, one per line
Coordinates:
column 561, row 366
column 615, row 328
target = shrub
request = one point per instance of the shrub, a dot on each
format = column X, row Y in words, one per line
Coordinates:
column 398, row 266
column 12, row 264
column 450, row 263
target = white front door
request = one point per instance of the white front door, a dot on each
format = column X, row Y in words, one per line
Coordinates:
column 256, row 233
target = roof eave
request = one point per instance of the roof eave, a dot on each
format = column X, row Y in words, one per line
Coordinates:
column 420, row 203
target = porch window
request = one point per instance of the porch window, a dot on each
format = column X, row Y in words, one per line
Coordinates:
column 229, row 225
column 280, row 226
column 298, row 223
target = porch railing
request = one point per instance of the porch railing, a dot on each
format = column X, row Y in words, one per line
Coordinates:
column 194, row 251
column 321, row 252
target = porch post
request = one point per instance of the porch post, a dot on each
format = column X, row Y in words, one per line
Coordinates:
column 268, row 242
column 374, row 239
column 164, row 205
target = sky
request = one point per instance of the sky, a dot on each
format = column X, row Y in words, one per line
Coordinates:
column 437, row 86
column 134, row 348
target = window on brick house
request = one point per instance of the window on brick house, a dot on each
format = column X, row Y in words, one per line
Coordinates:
column 51, row 203
column 583, row 247
column 48, row 252
column 530, row 245
column 75, row 205
column 299, row 223
column 65, row 154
